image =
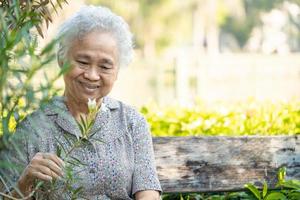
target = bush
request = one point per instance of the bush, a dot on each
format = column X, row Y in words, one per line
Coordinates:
column 285, row 190
column 21, row 63
column 250, row 118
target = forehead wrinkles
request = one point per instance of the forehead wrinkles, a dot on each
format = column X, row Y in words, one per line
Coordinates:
column 95, row 44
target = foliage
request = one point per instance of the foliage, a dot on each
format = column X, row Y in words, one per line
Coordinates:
column 209, row 196
column 285, row 189
column 288, row 189
column 35, row 11
column 156, row 23
column 22, row 63
column 86, row 122
column 250, row 118
column 242, row 27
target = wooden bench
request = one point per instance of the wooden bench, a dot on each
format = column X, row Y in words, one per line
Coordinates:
column 215, row 164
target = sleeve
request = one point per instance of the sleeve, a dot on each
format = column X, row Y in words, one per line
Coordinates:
column 145, row 175
column 14, row 157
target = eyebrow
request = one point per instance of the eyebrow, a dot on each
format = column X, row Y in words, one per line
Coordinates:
column 84, row 56
column 107, row 61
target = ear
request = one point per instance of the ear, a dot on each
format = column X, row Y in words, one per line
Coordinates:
column 60, row 62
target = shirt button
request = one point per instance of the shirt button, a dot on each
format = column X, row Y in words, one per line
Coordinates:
column 92, row 171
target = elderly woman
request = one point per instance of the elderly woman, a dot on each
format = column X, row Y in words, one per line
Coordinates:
column 115, row 159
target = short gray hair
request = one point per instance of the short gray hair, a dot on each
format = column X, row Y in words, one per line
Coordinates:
column 90, row 18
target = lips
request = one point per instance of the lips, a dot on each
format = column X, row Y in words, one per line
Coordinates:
column 88, row 86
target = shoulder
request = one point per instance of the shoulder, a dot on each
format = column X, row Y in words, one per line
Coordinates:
column 131, row 114
column 30, row 120
column 119, row 106
column 38, row 119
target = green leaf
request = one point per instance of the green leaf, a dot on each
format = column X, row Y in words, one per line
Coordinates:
column 281, row 174
column 216, row 197
column 254, row 190
column 294, row 195
column 4, row 183
column 97, row 140
column 65, row 68
column 73, row 163
column 60, row 146
column 78, row 161
column 81, row 127
column 59, row 3
column 265, row 189
column 90, row 124
column 78, row 190
column 58, row 151
column 293, row 184
column 83, row 122
column 69, row 140
column 276, row 196
column 53, row 6
column 181, row 198
column 49, row 47
column 240, row 195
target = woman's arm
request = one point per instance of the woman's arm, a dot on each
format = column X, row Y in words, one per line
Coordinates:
column 43, row 166
column 26, row 169
column 147, row 195
column 145, row 182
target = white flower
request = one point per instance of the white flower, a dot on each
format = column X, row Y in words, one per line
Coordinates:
column 92, row 105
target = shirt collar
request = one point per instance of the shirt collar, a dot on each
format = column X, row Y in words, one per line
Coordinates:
column 57, row 105
column 111, row 103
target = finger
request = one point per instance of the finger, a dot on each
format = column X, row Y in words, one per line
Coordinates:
column 47, row 171
column 55, row 159
column 42, row 176
column 62, row 163
column 46, row 159
column 38, row 155
column 52, row 166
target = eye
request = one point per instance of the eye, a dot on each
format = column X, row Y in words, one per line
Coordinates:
column 104, row 67
column 82, row 62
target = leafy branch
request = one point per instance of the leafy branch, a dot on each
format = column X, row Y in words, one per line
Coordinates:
column 21, row 62
column 289, row 189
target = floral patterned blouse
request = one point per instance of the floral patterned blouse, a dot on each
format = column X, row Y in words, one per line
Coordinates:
column 115, row 162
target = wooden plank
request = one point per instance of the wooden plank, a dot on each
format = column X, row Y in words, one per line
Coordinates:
column 197, row 164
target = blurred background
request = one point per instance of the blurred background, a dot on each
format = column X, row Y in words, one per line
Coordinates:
column 208, row 50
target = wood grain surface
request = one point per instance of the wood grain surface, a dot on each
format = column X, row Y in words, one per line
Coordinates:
column 196, row 164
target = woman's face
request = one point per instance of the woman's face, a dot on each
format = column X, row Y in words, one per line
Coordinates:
column 94, row 67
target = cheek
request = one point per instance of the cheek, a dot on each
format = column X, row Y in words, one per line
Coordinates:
column 68, row 82
column 74, row 72
column 70, row 77
column 111, row 81
column 115, row 75
column 67, row 78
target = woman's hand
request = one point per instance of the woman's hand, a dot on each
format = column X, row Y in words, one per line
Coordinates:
column 147, row 195
column 43, row 166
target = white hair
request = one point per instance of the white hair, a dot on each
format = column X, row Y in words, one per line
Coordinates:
column 90, row 18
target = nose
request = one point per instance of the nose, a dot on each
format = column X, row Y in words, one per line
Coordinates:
column 91, row 74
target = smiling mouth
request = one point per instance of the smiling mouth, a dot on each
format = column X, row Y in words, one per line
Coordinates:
column 89, row 87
